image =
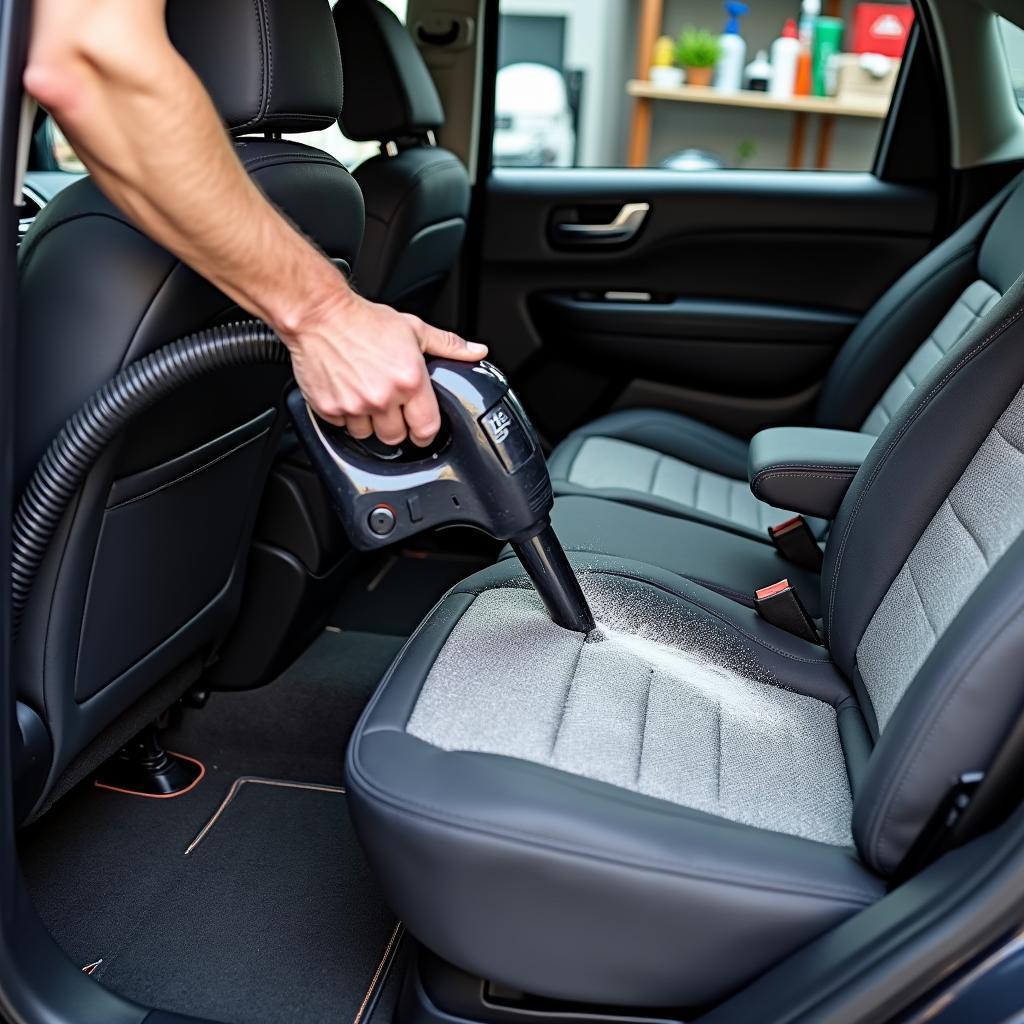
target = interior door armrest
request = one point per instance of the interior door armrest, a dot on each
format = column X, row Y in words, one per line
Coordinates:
column 806, row 469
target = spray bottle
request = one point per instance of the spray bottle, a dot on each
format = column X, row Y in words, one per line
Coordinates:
column 729, row 73
column 785, row 58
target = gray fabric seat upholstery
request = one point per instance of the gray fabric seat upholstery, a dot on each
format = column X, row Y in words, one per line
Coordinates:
column 654, row 814
column 671, row 463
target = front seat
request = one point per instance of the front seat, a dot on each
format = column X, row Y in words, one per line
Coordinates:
column 416, row 193
column 146, row 571
column 673, row 464
column 656, row 813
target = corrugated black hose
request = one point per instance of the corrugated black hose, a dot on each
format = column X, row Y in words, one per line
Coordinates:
column 83, row 438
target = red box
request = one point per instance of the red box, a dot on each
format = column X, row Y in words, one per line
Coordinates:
column 882, row 28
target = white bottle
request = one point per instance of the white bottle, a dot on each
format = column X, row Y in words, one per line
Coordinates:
column 758, row 74
column 785, row 56
column 729, row 70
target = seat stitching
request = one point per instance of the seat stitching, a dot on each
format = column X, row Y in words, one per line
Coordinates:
column 718, row 762
column 565, row 699
column 721, row 588
column 259, row 26
column 658, row 459
column 770, row 474
column 1009, row 441
column 893, row 442
column 292, row 157
column 643, row 730
column 270, row 60
column 920, row 600
column 967, row 530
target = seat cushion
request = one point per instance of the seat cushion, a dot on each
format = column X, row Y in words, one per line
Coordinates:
column 650, row 816
column 666, row 462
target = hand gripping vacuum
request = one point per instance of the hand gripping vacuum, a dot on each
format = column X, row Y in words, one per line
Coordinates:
column 486, row 469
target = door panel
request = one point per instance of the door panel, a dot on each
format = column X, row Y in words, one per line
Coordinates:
column 728, row 300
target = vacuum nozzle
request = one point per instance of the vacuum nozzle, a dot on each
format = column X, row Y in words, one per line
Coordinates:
column 544, row 561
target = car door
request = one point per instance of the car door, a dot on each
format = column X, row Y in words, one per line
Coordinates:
column 721, row 292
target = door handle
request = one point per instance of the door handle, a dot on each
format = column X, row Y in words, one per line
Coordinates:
column 623, row 228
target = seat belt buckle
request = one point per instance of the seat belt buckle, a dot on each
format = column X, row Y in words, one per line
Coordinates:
column 795, row 541
column 780, row 605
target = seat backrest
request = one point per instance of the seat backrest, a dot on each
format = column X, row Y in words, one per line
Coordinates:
column 925, row 315
column 923, row 583
column 416, row 194
column 145, row 574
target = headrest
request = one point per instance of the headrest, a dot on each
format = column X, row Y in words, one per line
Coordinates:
column 270, row 65
column 389, row 94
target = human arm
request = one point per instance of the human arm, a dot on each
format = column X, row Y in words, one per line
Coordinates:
column 143, row 124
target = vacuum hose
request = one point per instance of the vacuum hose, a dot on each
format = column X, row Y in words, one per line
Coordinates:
column 82, row 439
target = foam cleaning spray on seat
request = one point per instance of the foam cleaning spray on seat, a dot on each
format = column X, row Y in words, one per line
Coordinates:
column 729, row 72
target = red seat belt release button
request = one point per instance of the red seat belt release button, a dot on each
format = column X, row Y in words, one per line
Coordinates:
column 795, row 541
column 780, row 605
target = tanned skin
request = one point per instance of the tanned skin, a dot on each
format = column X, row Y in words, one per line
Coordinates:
column 144, row 126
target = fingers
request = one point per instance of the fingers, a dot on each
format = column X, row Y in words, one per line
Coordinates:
column 422, row 415
column 389, row 426
column 447, row 344
column 360, row 427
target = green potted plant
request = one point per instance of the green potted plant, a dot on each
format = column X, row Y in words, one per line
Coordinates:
column 697, row 52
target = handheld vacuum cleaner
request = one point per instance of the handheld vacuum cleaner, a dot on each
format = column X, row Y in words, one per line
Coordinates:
column 486, row 469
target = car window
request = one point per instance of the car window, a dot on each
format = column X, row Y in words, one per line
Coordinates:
column 794, row 86
column 1013, row 46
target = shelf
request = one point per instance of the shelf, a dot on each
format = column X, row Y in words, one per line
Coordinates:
column 862, row 107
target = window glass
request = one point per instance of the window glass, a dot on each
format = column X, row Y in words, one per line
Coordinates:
column 812, row 93
column 1013, row 45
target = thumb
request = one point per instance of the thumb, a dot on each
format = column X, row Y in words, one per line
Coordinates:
column 449, row 345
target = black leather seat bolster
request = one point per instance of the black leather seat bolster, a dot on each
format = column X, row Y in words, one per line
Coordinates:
column 555, row 858
column 732, row 564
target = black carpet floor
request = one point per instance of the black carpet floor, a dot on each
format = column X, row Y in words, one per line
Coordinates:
column 273, row 917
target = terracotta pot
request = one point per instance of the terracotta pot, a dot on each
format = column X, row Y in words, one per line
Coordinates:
column 699, row 76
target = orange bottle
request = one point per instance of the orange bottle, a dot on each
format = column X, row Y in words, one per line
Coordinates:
column 802, row 85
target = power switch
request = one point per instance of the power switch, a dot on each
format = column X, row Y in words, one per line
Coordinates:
column 382, row 520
